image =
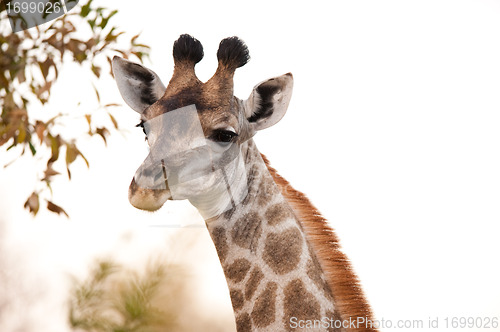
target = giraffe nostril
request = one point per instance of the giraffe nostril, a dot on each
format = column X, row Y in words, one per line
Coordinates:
column 158, row 176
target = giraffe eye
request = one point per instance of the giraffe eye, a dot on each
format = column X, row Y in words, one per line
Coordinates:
column 141, row 124
column 223, row 136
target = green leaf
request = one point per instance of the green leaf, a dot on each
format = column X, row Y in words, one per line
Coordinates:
column 71, row 153
column 138, row 54
column 110, row 37
column 96, row 70
column 32, row 148
column 80, row 57
column 142, row 45
column 22, row 133
column 105, row 20
column 85, row 9
column 134, row 38
column 55, row 144
column 92, row 23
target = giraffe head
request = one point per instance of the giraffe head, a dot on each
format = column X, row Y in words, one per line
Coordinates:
column 195, row 129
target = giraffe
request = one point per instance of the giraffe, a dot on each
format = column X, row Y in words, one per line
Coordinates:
column 283, row 264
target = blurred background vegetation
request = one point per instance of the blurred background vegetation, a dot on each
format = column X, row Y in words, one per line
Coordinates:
column 115, row 299
column 164, row 296
column 160, row 290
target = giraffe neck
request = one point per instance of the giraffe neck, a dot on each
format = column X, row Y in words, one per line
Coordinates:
column 274, row 277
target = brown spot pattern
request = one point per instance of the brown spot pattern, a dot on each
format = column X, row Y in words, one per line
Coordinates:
column 247, row 230
column 252, row 175
column 264, row 310
column 220, row 241
column 254, row 180
column 238, row 269
column 243, row 323
column 247, row 199
column 228, row 214
column 282, row 251
column 253, row 282
column 315, row 273
column 278, row 213
column 267, row 190
column 299, row 303
column 237, row 299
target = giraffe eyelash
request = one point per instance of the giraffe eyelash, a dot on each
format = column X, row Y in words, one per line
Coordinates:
column 223, row 136
column 141, row 124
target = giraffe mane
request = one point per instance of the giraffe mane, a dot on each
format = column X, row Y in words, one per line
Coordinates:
column 345, row 286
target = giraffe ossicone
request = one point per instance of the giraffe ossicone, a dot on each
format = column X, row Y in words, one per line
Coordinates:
column 283, row 264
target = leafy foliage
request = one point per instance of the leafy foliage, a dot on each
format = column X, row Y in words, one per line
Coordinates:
column 115, row 299
column 30, row 63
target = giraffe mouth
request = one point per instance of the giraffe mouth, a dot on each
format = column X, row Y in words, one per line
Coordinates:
column 146, row 198
column 164, row 173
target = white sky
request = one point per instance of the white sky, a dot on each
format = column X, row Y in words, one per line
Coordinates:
column 393, row 132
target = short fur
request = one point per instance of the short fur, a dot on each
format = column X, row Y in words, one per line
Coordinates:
column 265, row 103
column 348, row 296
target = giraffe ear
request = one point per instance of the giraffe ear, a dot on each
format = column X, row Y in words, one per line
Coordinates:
column 139, row 86
column 269, row 101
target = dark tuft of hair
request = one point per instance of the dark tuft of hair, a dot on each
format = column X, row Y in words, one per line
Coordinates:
column 233, row 52
column 188, row 48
